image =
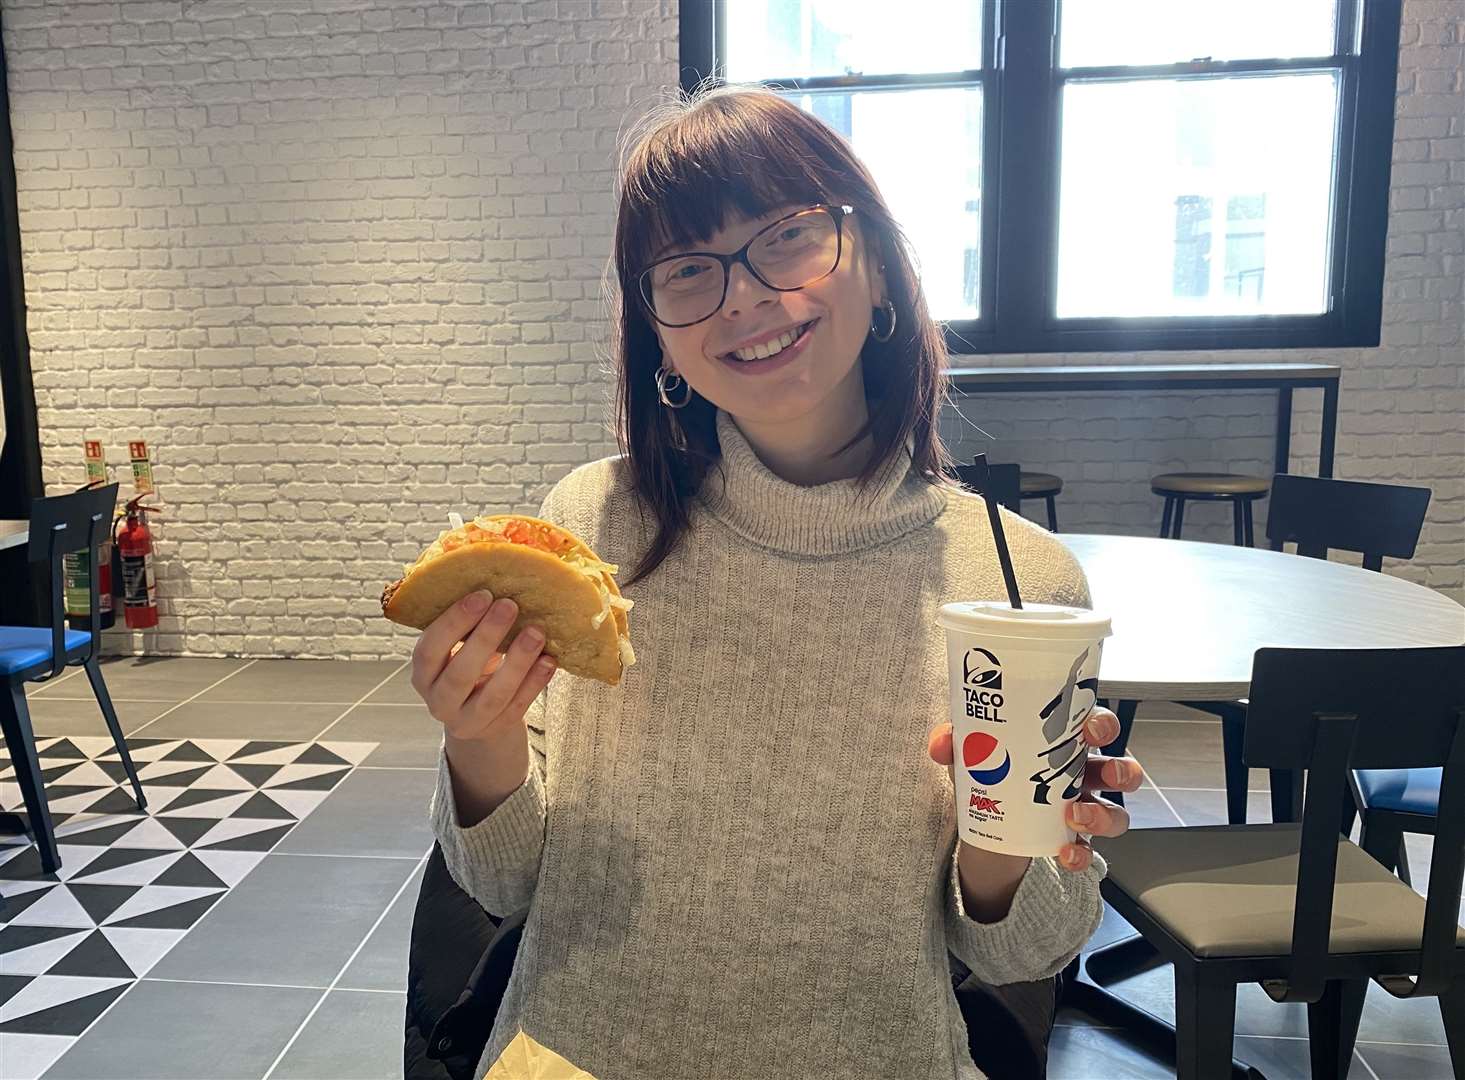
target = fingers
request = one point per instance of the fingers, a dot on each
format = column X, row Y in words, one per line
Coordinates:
column 1101, row 727
column 457, row 680
column 938, row 744
column 1075, row 857
column 1112, row 774
column 435, row 645
column 493, row 697
column 1095, row 816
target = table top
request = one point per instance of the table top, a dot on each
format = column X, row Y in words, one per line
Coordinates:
column 13, row 533
column 1119, row 376
column 1189, row 615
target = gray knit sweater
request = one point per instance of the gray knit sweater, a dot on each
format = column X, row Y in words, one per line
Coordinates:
column 741, row 861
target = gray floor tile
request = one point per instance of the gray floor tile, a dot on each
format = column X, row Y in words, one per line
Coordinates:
column 293, row 920
column 397, row 690
column 344, row 681
column 83, row 716
column 1184, row 754
column 1209, row 807
column 1148, row 811
column 204, row 719
column 188, row 1031
column 1395, row 1062
column 353, row 1036
column 382, row 962
column 408, row 734
column 1085, row 1053
column 375, row 812
column 1280, row 1058
column 175, row 677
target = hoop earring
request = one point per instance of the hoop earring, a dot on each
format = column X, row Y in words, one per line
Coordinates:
column 664, row 382
column 887, row 306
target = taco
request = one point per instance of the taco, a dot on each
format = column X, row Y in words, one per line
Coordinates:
column 559, row 584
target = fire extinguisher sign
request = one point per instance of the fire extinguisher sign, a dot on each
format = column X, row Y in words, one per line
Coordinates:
column 96, row 462
column 142, row 467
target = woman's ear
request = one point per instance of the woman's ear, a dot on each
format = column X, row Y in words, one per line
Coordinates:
column 875, row 270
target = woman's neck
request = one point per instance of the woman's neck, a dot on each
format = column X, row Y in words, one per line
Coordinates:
column 799, row 451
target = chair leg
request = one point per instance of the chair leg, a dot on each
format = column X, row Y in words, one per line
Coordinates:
column 15, row 721
column 1286, row 795
column 1052, row 514
column 99, row 688
column 1452, row 1012
column 1383, row 841
column 1165, row 518
column 1205, row 1021
column 1246, row 511
column 1233, row 735
column 1238, row 529
column 1332, row 1028
column 1179, row 518
column 1125, row 710
column 1403, row 868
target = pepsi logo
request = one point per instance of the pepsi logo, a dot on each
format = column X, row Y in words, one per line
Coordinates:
column 979, row 756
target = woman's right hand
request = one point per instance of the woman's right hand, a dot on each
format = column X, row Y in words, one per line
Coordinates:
column 477, row 692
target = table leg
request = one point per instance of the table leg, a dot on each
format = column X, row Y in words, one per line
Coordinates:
column 1284, row 429
column 1330, row 429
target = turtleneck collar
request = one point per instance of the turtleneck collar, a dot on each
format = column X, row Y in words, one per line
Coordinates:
column 825, row 519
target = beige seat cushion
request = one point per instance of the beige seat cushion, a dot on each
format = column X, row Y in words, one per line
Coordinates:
column 1229, row 890
column 1205, row 483
column 1040, row 483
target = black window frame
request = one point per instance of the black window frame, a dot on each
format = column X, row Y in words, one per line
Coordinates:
column 1020, row 186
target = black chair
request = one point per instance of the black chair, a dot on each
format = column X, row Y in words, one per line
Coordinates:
column 1319, row 514
column 1180, row 488
column 58, row 526
column 460, row 960
column 1301, row 909
column 1005, row 481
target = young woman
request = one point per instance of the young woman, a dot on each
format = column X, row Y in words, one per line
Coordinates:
column 742, row 861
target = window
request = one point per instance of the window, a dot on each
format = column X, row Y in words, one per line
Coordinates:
column 1099, row 175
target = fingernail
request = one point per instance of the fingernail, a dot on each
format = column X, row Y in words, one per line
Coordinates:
column 504, row 609
column 534, row 637
column 1083, row 815
column 546, row 664
column 475, row 603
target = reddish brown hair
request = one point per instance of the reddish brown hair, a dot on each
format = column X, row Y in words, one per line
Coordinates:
column 748, row 151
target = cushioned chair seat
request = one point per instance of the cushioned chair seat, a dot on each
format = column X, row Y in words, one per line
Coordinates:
column 1230, row 890
column 1198, row 483
column 1040, row 483
column 25, row 646
column 1409, row 791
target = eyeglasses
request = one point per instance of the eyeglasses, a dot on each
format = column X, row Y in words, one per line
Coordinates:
column 793, row 252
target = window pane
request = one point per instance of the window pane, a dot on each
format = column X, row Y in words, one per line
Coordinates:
column 1104, row 32
column 938, row 208
column 1196, row 196
column 801, row 39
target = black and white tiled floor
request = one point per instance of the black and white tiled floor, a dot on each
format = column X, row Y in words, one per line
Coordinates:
column 131, row 884
column 254, row 923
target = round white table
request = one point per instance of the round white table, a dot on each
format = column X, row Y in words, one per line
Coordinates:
column 1188, row 616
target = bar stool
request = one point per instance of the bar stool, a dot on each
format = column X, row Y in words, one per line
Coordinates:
column 1041, row 485
column 1180, row 488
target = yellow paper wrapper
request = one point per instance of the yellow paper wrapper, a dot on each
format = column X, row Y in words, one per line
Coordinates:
column 525, row 1059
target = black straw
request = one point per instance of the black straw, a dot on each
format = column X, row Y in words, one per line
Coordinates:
column 1004, row 557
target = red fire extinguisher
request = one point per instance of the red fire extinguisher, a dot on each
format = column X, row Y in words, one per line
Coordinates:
column 139, row 589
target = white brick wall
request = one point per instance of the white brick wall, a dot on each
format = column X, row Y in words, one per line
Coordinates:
column 339, row 262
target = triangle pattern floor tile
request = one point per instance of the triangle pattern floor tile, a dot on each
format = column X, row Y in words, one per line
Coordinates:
column 188, row 750
column 187, row 830
column 189, row 872
column 141, row 872
column 29, row 1056
column 254, row 775
column 41, row 955
column 150, row 833
column 57, row 908
column 227, row 778
column 230, row 867
column 297, row 803
column 94, row 958
column 206, row 804
column 258, row 841
column 268, row 752
column 261, row 806
column 316, row 754
column 354, row 752
column 141, row 750
column 71, row 1017
column 99, row 901
column 152, row 898
column 47, row 992
column 179, row 917
column 142, row 948
column 221, row 749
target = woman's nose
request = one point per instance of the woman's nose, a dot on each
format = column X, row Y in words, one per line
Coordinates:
column 744, row 291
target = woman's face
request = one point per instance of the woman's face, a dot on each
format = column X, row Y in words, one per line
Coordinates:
column 807, row 376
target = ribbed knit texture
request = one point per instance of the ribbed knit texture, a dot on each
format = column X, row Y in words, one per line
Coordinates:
column 741, row 861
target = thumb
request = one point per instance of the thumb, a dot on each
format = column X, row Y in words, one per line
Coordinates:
column 939, row 746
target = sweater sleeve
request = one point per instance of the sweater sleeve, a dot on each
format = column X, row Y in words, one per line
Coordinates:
column 1053, row 913
column 496, row 861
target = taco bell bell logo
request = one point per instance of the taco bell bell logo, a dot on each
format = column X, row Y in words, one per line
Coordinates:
column 982, row 685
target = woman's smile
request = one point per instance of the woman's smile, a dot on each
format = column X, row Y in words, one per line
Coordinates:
column 772, row 355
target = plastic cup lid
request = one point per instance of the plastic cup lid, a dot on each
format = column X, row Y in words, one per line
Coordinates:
column 1040, row 621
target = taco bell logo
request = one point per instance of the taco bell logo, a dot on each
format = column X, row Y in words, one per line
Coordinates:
column 981, row 677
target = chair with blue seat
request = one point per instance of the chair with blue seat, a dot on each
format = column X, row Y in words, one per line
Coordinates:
column 58, row 526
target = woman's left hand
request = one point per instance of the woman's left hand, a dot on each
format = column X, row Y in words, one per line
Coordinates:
column 1090, row 814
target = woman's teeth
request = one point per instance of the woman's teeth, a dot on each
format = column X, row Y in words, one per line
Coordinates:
column 772, row 348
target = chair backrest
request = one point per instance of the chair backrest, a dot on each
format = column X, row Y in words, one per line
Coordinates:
column 60, row 525
column 1372, row 519
column 1332, row 710
column 1005, row 481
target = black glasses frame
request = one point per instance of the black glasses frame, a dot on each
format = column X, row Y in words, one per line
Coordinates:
column 837, row 211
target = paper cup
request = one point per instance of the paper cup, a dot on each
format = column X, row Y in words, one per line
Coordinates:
column 1022, row 683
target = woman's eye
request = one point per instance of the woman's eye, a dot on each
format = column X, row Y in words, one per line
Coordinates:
column 791, row 233
column 686, row 272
